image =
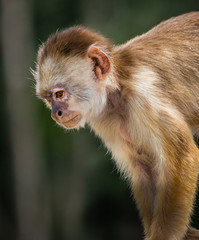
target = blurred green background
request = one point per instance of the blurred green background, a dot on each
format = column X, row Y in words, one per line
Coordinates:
column 54, row 184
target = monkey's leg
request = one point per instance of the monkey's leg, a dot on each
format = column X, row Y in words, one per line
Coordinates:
column 192, row 234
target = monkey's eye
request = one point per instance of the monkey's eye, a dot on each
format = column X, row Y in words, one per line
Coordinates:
column 59, row 94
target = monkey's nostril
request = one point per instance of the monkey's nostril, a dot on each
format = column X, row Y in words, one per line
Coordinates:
column 59, row 113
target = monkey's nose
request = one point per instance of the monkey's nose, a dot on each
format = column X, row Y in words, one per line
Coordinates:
column 59, row 113
column 57, row 116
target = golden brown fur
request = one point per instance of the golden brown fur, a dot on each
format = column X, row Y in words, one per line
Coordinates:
column 145, row 108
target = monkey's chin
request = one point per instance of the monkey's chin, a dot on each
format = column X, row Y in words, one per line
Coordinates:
column 72, row 121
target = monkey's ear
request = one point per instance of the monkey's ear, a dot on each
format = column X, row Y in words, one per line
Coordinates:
column 101, row 61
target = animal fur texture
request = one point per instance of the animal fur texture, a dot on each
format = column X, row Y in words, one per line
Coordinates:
column 142, row 99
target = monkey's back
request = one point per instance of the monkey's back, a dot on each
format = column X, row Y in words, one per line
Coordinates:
column 171, row 51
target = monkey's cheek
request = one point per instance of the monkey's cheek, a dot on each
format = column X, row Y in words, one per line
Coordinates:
column 71, row 121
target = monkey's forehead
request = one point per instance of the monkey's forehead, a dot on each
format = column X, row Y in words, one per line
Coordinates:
column 64, row 71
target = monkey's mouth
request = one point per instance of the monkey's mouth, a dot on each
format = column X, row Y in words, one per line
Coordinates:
column 72, row 120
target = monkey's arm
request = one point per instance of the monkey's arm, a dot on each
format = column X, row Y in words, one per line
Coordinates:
column 165, row 188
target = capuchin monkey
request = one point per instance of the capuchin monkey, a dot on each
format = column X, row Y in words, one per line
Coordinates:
column 142, row 99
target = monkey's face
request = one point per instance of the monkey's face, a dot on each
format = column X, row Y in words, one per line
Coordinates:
column 59, row 98
column 75, row 87
column 71, row 90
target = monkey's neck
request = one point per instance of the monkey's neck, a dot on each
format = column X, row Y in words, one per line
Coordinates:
column 112, row 117
column 111, row 127
column 114, row 101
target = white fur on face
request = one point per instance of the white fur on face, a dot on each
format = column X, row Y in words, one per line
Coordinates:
column 88, row 95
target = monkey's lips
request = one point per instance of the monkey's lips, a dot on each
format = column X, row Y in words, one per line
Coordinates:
column 70, row 121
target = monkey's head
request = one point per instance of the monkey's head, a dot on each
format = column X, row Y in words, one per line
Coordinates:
column 74, row 75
